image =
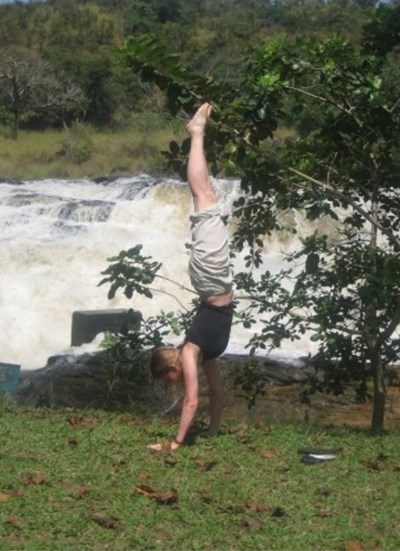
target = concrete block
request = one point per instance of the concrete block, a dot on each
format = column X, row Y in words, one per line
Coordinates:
column 86, row 324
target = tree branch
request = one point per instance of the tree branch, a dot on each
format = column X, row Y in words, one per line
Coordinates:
column 170, row 295
column 348, row 110
column 176, row 283
column 395, row 105
column 392, row 238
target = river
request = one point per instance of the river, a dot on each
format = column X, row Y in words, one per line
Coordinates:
column 56, row 236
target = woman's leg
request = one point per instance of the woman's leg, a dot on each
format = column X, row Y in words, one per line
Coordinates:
column 216, row 396
column 197, row 170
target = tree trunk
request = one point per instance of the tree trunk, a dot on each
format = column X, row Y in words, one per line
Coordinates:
column 379, row 398
column 16, row 125
column 378, row 372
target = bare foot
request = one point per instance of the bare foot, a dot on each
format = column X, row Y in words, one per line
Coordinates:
column 198, row 123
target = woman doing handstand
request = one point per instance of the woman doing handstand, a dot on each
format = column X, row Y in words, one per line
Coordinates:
column 210, row 275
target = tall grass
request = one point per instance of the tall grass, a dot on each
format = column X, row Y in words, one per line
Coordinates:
column 82, row 151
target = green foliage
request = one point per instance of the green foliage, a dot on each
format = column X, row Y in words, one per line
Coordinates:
column 344, row 167
column 130, row 271
column 78, row 147
column 252, row 381
column 134, row 273
column 77, row 151
column 5, row 116
column 128, row 349
column 381, row 34
column 131, row 345
column 212, row 37
column 30, row 85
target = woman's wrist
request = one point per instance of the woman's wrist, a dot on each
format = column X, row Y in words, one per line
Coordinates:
column 179, row 442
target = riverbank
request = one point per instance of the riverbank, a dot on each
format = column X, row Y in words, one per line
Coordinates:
column 91, row 381
column 85, row 152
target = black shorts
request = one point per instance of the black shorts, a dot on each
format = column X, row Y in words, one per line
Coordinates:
column 210, row 329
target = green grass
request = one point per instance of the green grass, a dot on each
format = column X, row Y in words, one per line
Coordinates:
column 85, row 480
column 85, row 152
column 82, row 151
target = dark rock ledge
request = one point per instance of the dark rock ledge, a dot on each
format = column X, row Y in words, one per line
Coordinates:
column 91, row 381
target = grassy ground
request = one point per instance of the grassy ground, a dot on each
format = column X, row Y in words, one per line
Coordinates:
column 85, row 480
column 82, row 151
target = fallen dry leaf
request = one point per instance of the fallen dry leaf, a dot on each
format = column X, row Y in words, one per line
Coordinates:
column 354, row 546
column 5, row 497
column 164, row 498
column 205, row 465
column 13, row 521
column 249, row 522
column 34, row 479
column 372, row 465
column 258, row 507
column 144, row 489
column 144, row 476
column 269, row 454
column 82, row 420
column 80, row 492
column 109, row 522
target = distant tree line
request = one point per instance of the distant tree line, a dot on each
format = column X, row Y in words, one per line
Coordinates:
column 76, row 39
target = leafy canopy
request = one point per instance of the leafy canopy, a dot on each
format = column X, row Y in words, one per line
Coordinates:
column 340, row 290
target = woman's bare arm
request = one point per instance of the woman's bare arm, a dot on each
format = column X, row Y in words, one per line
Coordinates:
column 189, row 361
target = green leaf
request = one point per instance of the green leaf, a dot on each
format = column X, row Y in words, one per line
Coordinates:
column 174, row 148
column 312, row 263
column 269, row 79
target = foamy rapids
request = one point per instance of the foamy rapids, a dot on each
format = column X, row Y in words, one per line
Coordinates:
column 56, row 236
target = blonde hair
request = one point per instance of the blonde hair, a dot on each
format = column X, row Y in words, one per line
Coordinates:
column 162, row 358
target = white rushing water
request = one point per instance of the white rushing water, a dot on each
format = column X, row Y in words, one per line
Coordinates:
column 56, row 236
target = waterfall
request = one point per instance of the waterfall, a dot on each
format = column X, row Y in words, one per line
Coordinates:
column 56, row 236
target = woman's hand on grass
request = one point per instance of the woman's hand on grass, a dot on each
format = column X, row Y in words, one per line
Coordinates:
column 164, row 446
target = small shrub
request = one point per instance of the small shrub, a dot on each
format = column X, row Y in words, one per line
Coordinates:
column 76, row 150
